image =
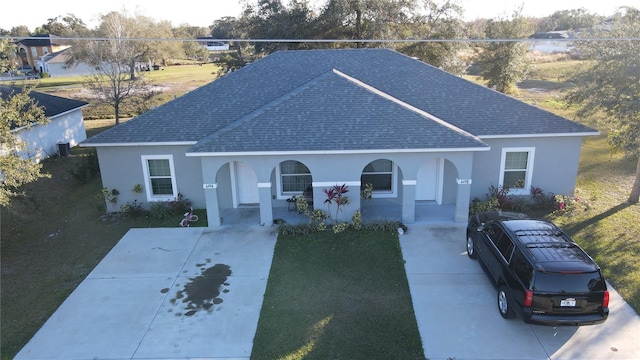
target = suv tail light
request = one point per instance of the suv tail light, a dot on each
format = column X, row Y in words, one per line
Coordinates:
column 605, row 299
column 528, row 298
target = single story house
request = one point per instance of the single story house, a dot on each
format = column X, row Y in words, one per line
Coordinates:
column 552, row 41
column 304, row 121
column 212, row 44
column 55, row 65
column 64, row 130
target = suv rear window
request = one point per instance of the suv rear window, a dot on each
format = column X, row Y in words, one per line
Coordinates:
column 569, row 282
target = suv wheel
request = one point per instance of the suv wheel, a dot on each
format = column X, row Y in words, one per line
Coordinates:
column 471, row 247
column 504, row 305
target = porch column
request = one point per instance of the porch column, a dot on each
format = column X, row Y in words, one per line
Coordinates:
column 408, row 201
column 462, row 201
column 266, row 208
column 211, row 200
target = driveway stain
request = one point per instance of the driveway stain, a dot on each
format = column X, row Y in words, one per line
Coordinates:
column 202, row 292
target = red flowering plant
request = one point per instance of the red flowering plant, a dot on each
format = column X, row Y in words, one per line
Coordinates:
column 568, row 205
column 335, row 194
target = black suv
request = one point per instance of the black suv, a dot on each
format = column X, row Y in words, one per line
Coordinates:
column 541, row 274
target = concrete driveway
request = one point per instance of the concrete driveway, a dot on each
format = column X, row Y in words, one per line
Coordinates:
column 455, row 306
column 170, row 293
column 147, row 300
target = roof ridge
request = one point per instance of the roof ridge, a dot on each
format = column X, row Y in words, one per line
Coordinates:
column 246, row 118
column 405, row 105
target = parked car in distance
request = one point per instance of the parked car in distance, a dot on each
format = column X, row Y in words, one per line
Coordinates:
column 27, row 70
column 541, row 274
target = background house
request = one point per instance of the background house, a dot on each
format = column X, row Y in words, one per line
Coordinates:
column 54, row 65
column 31, row 49
column 212, row 44
column 64, row 130
column 298, row 120
column 552, row 41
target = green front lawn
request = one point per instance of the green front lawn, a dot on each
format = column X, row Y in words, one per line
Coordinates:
column 338, row 296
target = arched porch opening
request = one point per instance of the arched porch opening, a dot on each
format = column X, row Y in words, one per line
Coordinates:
column 290, row 179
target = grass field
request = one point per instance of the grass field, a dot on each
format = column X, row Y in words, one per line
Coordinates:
column 55, row 235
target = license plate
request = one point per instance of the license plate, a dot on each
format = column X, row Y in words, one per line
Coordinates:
column 568, row 302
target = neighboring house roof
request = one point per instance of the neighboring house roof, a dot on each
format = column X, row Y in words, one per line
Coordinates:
column 43, row 40
column 58, row 57
column 357, row 99
column 561, row 34
column 52, row 105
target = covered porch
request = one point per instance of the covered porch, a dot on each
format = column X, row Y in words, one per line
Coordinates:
column 372, row 210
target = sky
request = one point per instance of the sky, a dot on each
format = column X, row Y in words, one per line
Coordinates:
column 35, row 13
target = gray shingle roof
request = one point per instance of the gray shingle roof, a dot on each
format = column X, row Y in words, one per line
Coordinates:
column 52, row 105
column 294, row 101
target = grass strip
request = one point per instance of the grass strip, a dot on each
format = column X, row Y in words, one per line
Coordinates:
column 338, row 296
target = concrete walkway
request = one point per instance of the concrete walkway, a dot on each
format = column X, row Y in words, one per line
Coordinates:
column 146, row 300
column 151, row 298
column 455, row 306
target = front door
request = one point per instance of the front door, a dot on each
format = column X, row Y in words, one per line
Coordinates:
column 429, row 180
column 246, row 185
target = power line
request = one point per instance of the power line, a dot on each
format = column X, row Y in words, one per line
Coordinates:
column 528, row 40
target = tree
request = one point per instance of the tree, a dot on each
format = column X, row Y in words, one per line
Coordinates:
column 271, row 19
column 17, row 110
column 437, row 20
column 568, row 20
column 233, row 28
column 503, row 63
column 65, row 26
column 359, row 19
column 611, row 84
column 115, row 81
column 191, row 49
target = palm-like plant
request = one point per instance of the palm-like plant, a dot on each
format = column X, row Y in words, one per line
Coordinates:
column 335, row 194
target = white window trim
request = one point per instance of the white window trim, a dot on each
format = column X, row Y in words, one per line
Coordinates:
column 280, row 195
column 529, row 173
column 378, row 194
column 147, row 179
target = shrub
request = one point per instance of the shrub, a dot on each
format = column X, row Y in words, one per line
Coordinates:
column 519, row 204
column 304, row 229
column 478, row 205
column 541, row 201
column 501, row 193
column 356, row 220
column 86, row 168
column 338, row 228
column 569, row 205
column 179, row 205
column 384, row 226
column 133, row 209
column 159, row 211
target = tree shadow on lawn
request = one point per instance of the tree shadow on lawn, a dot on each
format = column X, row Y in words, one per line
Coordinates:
column 577, row 227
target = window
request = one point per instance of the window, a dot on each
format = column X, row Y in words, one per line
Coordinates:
column 522, row 269
column 295, row 177
column 516, row 170
column 379, row 173
column 160, row 177
column 500, row 240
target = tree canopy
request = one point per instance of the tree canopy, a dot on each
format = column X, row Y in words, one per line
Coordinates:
column 503, row 63
column 610, row 84
column 17, row 110
column 115, row 80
